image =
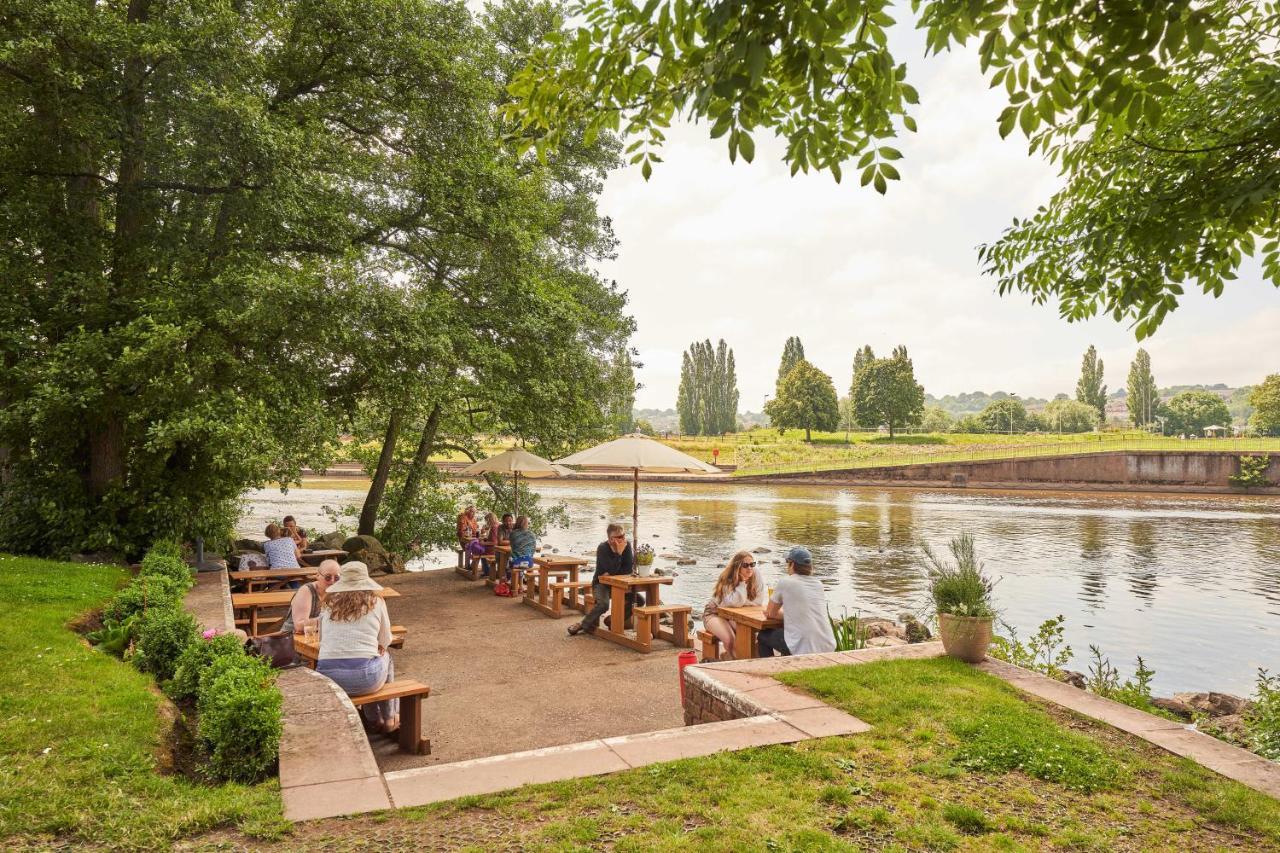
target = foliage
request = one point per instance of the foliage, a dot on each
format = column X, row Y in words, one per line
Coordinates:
column 1007, row 416
column 973, row 402
column 163, row 634
column 1046, row 652
column 167, row 565
column 707, row 399
column 1189, row 412
column 114, row 636
column 849, row 631
column 1070, row 416
column 1090, row 389
column 806, row 400
column 196, row 659
column 643, row 427
column 144, row 593
column 239, row 711
column 1265, row 399
column 1103, row 679
column 936, row 419
column 1253, row 472
column 1142, row 397
column 792, row 354
column 885, row 391
column 961, row 588
column 622, row 399
column 1262, row 723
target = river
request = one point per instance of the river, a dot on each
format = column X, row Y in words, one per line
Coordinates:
column 1190, row 583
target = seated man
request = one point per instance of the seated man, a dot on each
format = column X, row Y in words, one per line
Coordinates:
column 806, row 629
column 282, row 552
column 295, row 532
column 523, row 544
column 613, row 557
column 505, row 529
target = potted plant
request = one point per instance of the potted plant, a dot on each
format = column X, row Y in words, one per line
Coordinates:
column 644, row 560
column 961, row 595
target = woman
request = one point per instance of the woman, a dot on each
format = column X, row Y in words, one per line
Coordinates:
column 355, row 633
column 523, row 544
column 282, row 552
column 737, row 586
column 489, row 538
column 304, row 609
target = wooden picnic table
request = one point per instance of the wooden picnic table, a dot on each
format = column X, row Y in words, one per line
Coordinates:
column 502, row 556
column 620, row 585
column 257, row 580
column 308, row 648
column 318, row 556
column 537, row 593
column 748, row 622
column 255, row 601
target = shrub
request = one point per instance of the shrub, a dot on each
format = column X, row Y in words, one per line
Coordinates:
column 1262, row 724
column 166, row 565
column 113, row 637
column 196, row 658
column 158, row 591
column 1253, row 472
column 849, row 631
column 962, row 589
column 1045, row 653
column 239, row 709
column 163, row 634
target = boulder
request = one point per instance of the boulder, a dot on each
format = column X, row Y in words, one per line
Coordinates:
column 248, row 545
column 887, row 640
column 1174, row 706
column 761, row 551
column 883, row 628
column 914, row 630
column 1070, row 676
column 1228, row 727
column 329, row 540
column 1215, row 704
column 368, row 550
column 686, row 561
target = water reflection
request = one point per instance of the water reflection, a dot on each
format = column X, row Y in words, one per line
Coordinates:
column 1142, row 578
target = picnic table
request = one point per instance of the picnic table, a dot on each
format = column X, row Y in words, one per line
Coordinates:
column 254, row 602
column 502, row 556
column 538, row 592
column 319, row 555
column 748, row 622
column 646, row 617
column 257, row 580
column 308, row 648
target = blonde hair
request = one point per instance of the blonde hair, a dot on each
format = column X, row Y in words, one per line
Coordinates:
column 349, row 606
column 728, row 579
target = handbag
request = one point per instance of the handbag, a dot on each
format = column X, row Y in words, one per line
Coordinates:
column 277, row 649
column 502, row 588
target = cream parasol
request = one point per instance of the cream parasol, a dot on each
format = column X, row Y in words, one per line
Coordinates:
column 515, row 462
column 637, row 453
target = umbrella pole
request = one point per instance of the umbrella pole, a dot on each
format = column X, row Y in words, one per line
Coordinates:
column 517, row 498
column 635, row 506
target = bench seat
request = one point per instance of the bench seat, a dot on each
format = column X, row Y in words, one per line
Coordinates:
column 410, row 694
column 710, row 646
column 558, row 590
column 648, row 625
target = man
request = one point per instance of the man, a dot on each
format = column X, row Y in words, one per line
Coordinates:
column 296, row 533
column 806, row 629
column 468, row 530
column 613, row 557
column 507, row 526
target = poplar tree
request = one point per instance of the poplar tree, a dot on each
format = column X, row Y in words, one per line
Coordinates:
column 707, row 399
column 1090, row 389
column 792, row 354
column 1143, row 396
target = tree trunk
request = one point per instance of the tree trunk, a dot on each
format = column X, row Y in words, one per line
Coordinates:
column 413, row 480
column 369, row 512
column 807, row 438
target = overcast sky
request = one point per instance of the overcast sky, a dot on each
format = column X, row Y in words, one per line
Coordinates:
column 747, row 253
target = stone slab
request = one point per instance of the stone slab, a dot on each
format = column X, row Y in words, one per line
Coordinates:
column 824, row 722
column 422, row 785
column 779, row 697
column 693, row 741
column 332, row 799
column 310, row 754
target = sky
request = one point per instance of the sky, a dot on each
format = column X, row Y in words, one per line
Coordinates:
column 747, row 253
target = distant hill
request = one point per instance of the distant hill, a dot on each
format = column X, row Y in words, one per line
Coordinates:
column 959, row 405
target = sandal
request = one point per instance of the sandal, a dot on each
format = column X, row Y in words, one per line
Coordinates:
column 575, row 629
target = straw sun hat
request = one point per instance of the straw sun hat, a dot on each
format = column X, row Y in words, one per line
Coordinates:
column 354, row 577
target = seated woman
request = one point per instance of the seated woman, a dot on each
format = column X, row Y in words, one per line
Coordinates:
column 282, row 552
column 355, row 633
column 489, row 537
column 737, row 586
column 523, row 544
column 304, row 609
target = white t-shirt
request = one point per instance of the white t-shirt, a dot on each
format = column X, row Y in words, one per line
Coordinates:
column 281, row 553
column 737, row 597
column 804, row 615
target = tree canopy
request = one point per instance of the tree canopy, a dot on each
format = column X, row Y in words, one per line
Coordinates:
column 1164, row 118
column 707, row 399
column 1265, row 399
column 1068, row 416
column 806, row 400
column 1189, row 412
column 1143, row 396
column 1090, row 389
column 1007, row 416
column 792, row 354
column 885, row 392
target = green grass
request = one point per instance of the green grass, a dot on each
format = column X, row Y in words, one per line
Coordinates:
column 82, row 732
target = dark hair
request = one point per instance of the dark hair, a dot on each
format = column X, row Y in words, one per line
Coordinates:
column 806, row 569
column 289, row 518
column 614, row 529
column 507, row 515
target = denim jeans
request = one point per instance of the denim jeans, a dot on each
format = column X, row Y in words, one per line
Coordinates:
column 772, row 641
column 602, row 594
column 358, row 676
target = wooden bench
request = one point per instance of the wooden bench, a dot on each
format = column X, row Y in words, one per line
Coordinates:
column 710, row 646
column 648, row 624
column 472, row 574
column 410, row 694
column 559, row 597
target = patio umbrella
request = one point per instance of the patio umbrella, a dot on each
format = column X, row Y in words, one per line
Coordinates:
column 517, row 461
column 636, row 453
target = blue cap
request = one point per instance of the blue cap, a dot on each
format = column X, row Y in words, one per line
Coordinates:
column 800, row 556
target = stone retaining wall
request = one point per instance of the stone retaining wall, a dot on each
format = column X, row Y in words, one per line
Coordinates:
column 209, row 601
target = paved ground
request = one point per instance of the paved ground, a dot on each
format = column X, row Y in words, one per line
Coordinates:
column 506, row 678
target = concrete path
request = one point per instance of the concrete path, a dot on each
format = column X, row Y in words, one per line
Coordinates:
column 505, row 678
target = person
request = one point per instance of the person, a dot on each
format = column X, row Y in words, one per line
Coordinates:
column 613, row 557
column 505, row 529
column 468, row 530
column 296, row 533
column 355, row 633
column 737, row 586
column 304, row 608
column 282, row 552
column 523, row 544
column 806, row 628
column 489, row 538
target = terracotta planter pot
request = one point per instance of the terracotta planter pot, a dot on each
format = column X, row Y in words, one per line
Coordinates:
column 965, row 637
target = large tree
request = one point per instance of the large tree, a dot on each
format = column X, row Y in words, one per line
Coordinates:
column 792, row 354
column 1265, row 399
column 1143, row 397
column 707, row 399
column 1069, row 416
column 1090, row 389
column 1007, row 416
column 1164, row 117
column 806, row 400
column 1189, row 412
column 885, row 392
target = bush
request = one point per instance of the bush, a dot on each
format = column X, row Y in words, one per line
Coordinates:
column 163, row 634
column 159, row 591
column 1262, row 724
column 195, row 659
column 239, row 709
column 961, row 589
column 166, row 565
column 1046, row 652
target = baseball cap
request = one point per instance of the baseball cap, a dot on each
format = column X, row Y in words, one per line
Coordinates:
column 800, row 556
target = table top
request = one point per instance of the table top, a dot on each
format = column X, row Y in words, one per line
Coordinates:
column 281, row 597
column 324, row 552
column 560, row 560
column 272, row 574
column 634, row 580
column 310, row 649
column 750, row 615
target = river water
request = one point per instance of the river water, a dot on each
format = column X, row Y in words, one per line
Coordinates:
column 1190, row 583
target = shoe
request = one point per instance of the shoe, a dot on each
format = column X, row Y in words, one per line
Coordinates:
column 575, row 629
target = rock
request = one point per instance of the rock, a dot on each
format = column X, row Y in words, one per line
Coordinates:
column 761, row 551
column 330, row 540
column 1070, row 676
column 368, row 550
column 914, row 630
column 1174, row 706
column 1215, row 704
column 1228, row 727
column 886, row 640
column 686, row 561
column 248, row 545
column 876, row 628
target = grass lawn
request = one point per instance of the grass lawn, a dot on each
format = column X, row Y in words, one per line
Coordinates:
column 80, row 746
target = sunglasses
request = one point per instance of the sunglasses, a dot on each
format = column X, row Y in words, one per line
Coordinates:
column 619, row 538
column 329, row 578
column 746, row 565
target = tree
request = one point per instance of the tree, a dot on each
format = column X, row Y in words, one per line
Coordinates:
column 707, row 398
column 862, row 358
column 1143, row 397
column 885, row 391
column 1008, row 416
column 1069, row 416
column 1265, row 400
column 1190, row 412
column 936, row 419
column 1090, row 388
column 622, row 397
column 1175, row 103
column 806, row 400
column 792, row 354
